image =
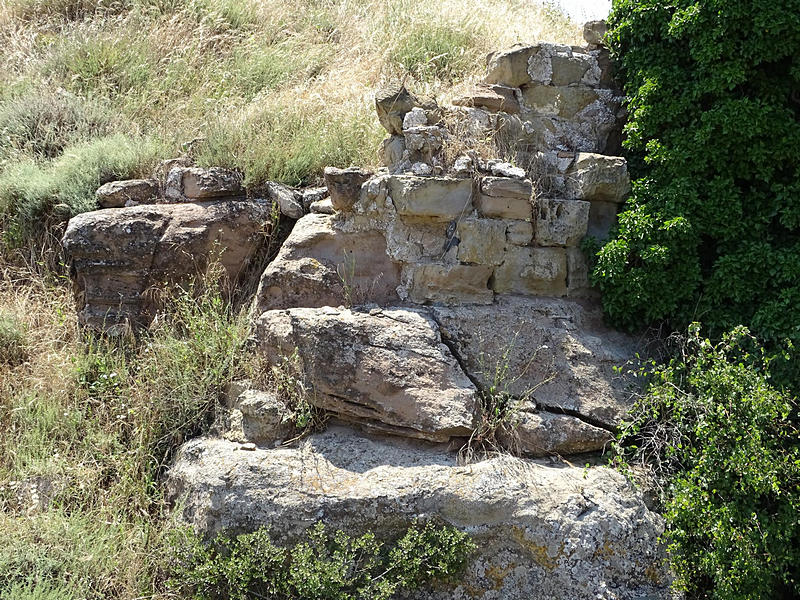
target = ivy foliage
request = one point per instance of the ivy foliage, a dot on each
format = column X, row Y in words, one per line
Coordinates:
column 723, row 447
column 712, row 229
column 323, row 566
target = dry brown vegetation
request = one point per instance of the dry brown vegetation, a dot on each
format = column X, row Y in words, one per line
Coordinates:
column 92, row 90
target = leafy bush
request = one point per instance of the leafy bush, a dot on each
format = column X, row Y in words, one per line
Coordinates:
column 36, row 196
column 723, row 448
column 712, row 229
column 41, row 124
column 324, row 566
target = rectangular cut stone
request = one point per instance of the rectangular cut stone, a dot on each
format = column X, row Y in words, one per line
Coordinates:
column 561, row 222
column 506, row 187
column 511, row 67
column 519, row 233
column 533, row 271
column 504, row 208
column 481, row 241
column 438, row 198
column 450, row 284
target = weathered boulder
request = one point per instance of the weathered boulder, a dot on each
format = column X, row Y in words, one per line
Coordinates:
column 194, row 183
column 385, row 369
column 558, row 101
column 598, row 177
column 544, row 531
column 320, row 264
column 117, row 194
column 556, row 351
column 344, row 185
column 117, row 256
column 288, row 200
column 256, row 416
column 594, row 32
column 392, row 102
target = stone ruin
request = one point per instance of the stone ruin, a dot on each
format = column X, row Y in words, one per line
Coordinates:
column 405, row 298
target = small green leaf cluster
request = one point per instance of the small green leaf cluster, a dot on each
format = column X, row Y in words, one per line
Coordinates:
column 322, row 566
column 712, row 231
column 723, row 447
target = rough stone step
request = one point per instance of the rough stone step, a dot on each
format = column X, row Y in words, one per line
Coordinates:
column 545, row 531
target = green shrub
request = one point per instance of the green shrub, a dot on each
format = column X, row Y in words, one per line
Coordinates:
column 34, row 197
column 41, row 123
column 711, row 233
column 323, row 566
column 723, row 448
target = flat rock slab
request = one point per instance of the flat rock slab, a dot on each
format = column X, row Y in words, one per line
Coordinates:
column 118, row 255
column 384, row 368
column 556, row 351
column 543, row 532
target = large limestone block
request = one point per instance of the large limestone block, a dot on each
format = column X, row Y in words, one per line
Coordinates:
column 536, row 271
column 510, row 68
column 561, row 222
column 578, row 285
column 598, row 177
column 437, row 198
column 383, row 368
column 519, row 233
column 543, row 531
column 321, row 265
column 117, row 256
column 448, row 284
column 558, row 101
column 481, row 241
column 194, row 183
column 117, row 194
column 499, row 207
column 557, row 351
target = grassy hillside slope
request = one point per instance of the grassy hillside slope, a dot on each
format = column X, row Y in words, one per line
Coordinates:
column 95, row 90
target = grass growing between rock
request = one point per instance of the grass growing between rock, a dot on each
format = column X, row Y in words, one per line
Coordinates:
column 89, row 426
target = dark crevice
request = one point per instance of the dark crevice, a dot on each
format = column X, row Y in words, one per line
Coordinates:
column 557, row 410
column 454, row 351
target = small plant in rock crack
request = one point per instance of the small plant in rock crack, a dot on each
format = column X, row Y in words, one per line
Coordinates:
column 499, row 405
column 286, row 379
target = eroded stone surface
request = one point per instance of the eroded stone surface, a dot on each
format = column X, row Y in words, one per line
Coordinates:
column 532, row 271
column 557, row 350
column 598, row 177
column 448, row 284
column 118, row 256
column 543, row 531
column 322, row 265
column 541, row 433
column 344, row 185
column 439, row 198
column 561, row 222
column 387, row 367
